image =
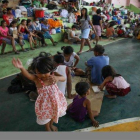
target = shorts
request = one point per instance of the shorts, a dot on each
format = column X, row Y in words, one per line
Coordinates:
column 25, row 37
column 47, row 35
column 17, row 40
column 85, row 33
column 8, row 41
column 98, row 30
column 43, row 122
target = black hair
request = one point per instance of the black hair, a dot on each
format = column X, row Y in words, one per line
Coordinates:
column 85, row 13
column 59, row 59
column 109, row 71
column 23, row 20
column 98, row 11
column 74, row 26
column 81, row 88
column 2, row 22
column 42, row 64
column 9, row 9
column 13, row 22
column 44, row 54
column 5, row 1
column 99, row 48
column 68, row 50
column 28, row 21
column 120, row 27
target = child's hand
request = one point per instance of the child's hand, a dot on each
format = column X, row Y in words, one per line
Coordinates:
column 17, row 63
column 95, row 123
column 101, row 87
column 52, row 79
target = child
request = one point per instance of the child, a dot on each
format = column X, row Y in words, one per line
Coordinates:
column 14, row 32
column 81, row 106
column 4, row 35
column 3, row 45
column 110, row 32
column 120, row 31
column 95, row 65
column 64, row 71
column 45, row 28
column 51, row 103
column 36, row 3
column 71, row 35
column 69, row 57
column 115, row 84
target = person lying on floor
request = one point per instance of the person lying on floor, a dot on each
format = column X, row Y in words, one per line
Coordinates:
column 66, row 86
column 72, row 35
column 95, row 65
column 69, row 57
column 81, row 106
column 115, row 84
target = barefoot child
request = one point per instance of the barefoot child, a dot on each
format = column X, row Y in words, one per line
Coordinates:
column 51, row 103
column 81, row 106
column 115, row 84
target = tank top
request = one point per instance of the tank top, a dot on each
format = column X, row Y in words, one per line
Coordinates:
column 77, row 111
column 61, row 69
column 22, row 29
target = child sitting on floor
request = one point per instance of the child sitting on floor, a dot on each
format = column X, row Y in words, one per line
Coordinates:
column 115, row 84
column 65, row 72
column 51, row 103
column 72, row 36
column 120, row 31
column 81, row 106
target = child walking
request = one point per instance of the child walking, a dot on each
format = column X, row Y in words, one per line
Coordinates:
column 81, row 106
column 51, row 103
column 115, row 84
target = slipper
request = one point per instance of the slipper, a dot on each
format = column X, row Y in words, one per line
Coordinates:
column 79, row 53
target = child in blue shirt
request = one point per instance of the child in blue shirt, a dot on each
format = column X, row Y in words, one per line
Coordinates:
column 96, row 63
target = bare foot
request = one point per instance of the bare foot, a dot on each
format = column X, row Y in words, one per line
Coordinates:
column 111, row 96
column 54, row 128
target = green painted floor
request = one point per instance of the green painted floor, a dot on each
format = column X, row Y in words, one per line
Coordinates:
column 17, row 112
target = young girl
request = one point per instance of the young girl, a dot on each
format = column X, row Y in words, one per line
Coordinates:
column 14, row 32
column 81, row 106
column 115, row 84
column 51, row 103
column 23, row 30
column 70, row 56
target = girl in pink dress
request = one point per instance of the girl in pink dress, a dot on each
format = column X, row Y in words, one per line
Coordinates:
column 51, row 103
column 115, row 84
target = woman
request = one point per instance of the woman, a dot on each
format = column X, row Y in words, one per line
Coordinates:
column 85, row 29
column 23, row 30
column 97, row 23
column 37, row 29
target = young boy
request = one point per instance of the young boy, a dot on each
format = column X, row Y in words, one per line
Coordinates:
column 72, row 36
column 64, row 71
column 95, row 65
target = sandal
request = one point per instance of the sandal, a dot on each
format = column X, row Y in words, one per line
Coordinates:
column 79, row 53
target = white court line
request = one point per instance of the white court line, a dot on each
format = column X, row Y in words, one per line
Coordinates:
column 89, row 129
column 83, row 52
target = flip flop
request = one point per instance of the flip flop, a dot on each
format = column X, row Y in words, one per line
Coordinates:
column 79, row 53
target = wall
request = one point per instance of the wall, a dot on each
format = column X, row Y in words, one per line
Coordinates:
column 121, row 2
column 135, row 3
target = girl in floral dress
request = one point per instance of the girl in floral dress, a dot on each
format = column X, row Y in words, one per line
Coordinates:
column 51, row 103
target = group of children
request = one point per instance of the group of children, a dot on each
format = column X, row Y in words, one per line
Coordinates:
column 52, row 76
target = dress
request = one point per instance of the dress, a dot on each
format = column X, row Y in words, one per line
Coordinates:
column 50, row 104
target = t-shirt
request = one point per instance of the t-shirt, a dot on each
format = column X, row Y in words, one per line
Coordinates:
column 96, row 20
column 84, row 23
column 36, row 3
column 3, row 31
column 97, row 63
column 37, row 26
column 43, row 26
column 71, row 60
column 109, row 32
column 69, row 33
column 31, row 28
column 11, row 29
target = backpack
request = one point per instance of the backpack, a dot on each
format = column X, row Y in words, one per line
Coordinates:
column 20, row 84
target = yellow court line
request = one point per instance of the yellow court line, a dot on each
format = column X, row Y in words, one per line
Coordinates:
column 110, row 124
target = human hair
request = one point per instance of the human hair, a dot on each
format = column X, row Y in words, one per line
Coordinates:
column 23, row 20
column 28, row 21
column 5, row 1
column 42, row 64
column 74, row 26
column 120, row 27
column 109, row 71
column 13, row 22
column 68, row 50
column 99, row 48
column 98, row 11
column 82, row 88
column 9, row 9
column 86, row 15
column 59, row 59
column 2, row 22
column 44, row 54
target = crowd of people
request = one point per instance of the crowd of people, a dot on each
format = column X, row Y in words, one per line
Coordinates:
column 52, row 75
